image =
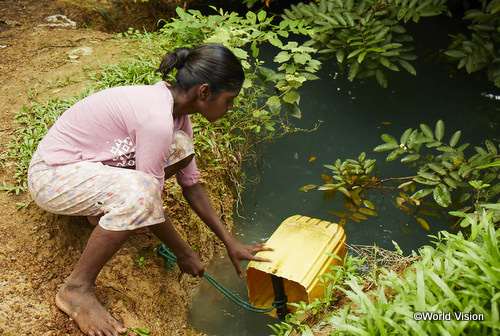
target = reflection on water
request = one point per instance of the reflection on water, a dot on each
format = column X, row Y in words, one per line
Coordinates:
column 354, row 115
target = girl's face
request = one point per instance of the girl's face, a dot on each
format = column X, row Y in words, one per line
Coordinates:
column 214, row 108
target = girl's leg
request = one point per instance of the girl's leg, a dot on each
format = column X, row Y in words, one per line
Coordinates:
column 77, row 297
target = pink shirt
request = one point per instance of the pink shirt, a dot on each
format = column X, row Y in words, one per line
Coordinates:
column 123, row 127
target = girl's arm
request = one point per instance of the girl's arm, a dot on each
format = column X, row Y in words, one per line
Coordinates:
column 200, row 203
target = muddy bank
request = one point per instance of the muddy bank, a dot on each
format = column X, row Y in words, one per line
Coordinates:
column 38, row 250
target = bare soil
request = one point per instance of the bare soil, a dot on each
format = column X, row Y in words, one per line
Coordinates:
column 37, row 249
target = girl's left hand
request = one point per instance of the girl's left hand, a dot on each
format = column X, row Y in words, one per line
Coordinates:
column 238, row 252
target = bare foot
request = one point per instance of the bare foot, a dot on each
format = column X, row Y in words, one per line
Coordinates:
column 82, row 306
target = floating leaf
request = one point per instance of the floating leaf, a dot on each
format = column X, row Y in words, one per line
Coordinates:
column 342, row 222
column 339, row 214
column 325, row 177
column 308, row 187
column 369, row 204
column 423, row 223
column 404, row 208
column 349, row 205
column 357, row 215
column 368, row 212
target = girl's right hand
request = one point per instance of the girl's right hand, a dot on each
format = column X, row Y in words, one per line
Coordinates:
column 190, row 263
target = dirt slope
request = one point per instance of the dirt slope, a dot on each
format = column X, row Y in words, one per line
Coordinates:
column 38, row 249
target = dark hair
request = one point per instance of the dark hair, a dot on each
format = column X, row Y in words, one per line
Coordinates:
column 209, row 63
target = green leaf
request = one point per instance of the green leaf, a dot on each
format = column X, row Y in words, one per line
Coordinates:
column 492, row 164
column 442, row 195
column 273, row 101
column 340, row 55
column 427, row 131
column 301, row 58
column 291, row 97
column 490, row 146
column 439, row 130
column 293, row 110
column 282, row 57
column 454, row 138
column 408, row 67
column 455, row 53
column 406, row 135
column 438, row 169
column 389, row 139
column 355, row 52
column 261, row 15
column 394, row 154
column 384, row 147
column 381, row 78
column 422, row 193
column 410, row 158
column 428, row 176
column 353, row 71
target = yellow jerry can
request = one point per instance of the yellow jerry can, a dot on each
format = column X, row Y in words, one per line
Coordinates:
column 302, row 248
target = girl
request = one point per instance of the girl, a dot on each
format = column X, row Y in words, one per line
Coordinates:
column 78, row 169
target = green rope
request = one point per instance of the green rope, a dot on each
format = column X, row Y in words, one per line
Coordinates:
column 171, row 259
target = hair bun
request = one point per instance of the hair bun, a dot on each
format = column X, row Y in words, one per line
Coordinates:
column 175, row 59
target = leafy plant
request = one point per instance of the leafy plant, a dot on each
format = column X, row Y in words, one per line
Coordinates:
column 480, row 50
column 367, row 36
column 269, row 97
column 443, row 172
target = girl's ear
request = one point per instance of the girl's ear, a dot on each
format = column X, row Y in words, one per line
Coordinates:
column 204, row 92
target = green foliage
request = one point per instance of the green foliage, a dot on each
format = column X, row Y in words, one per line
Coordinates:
column 367, row 36
column 262, row 110
column 458, row 276
column 351, row 178
column 444, row 175
column 34, row 121
column 481, row 50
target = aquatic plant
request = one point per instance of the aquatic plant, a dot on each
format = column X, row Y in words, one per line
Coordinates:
column 444, row 174
column 369, row 37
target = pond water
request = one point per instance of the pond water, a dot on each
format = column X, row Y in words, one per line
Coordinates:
column 354, row 115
